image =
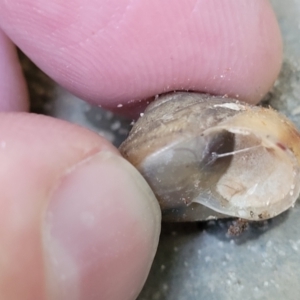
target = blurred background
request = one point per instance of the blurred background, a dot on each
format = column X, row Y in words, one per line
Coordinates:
column 200, row 260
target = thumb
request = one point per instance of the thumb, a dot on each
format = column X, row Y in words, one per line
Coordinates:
column 76, row 220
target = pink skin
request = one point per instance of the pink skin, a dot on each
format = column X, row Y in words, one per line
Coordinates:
column 113, row 52
column 109, row 53
column 13, row 93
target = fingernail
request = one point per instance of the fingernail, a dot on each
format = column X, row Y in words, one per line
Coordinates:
column 101, row 212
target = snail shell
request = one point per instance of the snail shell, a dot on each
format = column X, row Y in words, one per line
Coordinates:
column 209, row 157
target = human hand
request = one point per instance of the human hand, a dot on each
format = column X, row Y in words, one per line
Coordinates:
column 77, row 221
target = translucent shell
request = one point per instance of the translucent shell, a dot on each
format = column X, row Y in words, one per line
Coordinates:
column 209, row 157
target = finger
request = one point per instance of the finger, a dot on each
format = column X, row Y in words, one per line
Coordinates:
column 13, row 91
column 76, row 220
column 112, row 52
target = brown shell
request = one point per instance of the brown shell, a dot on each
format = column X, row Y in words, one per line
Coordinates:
column 207, row 157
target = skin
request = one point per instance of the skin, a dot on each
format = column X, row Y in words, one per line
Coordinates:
column 66, row 231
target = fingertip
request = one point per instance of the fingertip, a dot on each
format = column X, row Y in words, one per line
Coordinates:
column 102, row 228
column 13, row 89
column 73, row 212
column 118, row 55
